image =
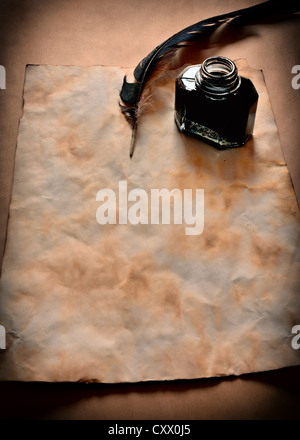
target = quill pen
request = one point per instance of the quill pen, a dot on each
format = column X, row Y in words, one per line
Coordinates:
column 133, row 94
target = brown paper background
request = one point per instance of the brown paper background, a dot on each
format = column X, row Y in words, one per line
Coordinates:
column 83, row 33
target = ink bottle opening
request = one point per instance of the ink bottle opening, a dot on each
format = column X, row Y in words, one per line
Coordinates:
column 215, row 104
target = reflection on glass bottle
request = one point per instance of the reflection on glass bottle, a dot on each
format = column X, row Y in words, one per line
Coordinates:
column 215, row 104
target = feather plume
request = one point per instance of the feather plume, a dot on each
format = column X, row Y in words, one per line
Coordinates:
column 134, row 96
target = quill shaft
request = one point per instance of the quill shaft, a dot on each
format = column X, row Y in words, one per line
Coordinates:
column 133, row 139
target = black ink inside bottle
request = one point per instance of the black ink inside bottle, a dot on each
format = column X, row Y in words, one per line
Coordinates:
column 215, row 104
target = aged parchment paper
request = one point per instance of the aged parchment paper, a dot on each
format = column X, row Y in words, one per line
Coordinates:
column 117, row 303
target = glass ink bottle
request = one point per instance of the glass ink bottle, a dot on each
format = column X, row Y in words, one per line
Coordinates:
column 215, row 104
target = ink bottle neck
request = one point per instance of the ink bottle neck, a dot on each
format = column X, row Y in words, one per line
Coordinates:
column 218, row 77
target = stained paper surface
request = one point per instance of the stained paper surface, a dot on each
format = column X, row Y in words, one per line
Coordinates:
column 131, row 302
